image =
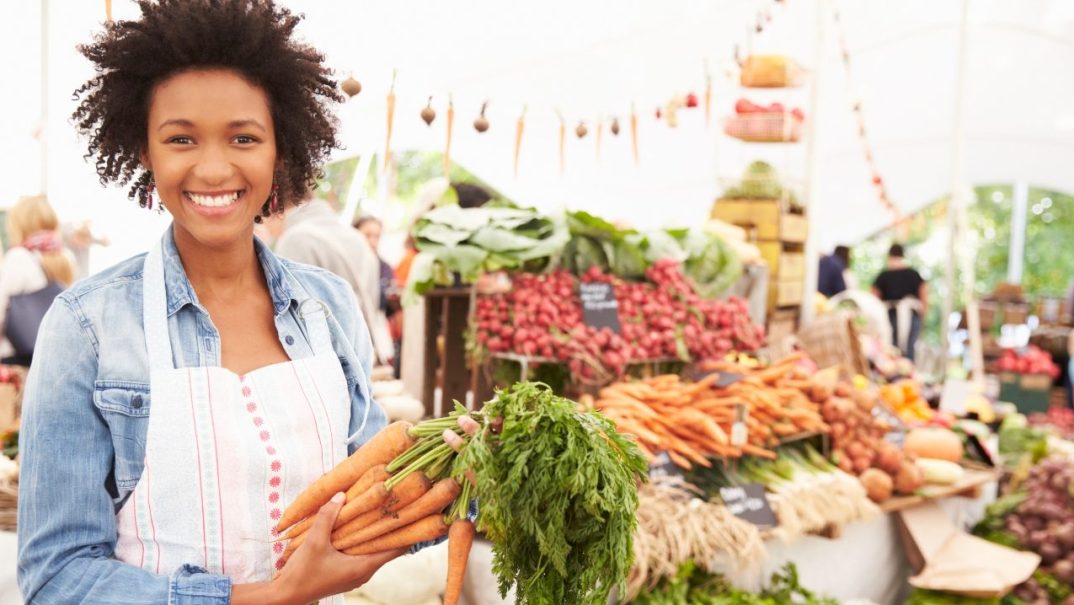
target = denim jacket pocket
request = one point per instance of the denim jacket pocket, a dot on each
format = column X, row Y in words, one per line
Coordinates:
column 125, row 407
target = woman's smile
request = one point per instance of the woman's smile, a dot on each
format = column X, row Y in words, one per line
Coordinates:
column 214, row 203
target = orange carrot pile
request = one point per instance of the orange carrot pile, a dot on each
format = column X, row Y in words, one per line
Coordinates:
column 693, row 421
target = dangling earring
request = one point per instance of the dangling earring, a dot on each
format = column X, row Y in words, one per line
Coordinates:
column 150, row 187
column 274, row 199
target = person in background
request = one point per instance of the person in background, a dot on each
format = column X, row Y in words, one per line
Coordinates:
column 312, row 233
column 905, row 293
column 830, row 274
column 36, row 262
column 371, row 227
column 79, row 238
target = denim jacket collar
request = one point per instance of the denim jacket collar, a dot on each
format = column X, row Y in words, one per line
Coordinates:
column 180, row 293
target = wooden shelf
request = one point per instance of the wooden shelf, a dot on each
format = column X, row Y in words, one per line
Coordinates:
column 968, row 487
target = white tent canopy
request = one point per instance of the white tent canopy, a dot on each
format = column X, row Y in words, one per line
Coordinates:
column 593, row 60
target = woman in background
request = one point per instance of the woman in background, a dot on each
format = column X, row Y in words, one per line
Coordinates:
column 37, row 264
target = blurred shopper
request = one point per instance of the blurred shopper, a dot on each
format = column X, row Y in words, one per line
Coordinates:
column 372, row 227
column 831, row 278
column 905, row 293
column 312, row 233
column 36, row 269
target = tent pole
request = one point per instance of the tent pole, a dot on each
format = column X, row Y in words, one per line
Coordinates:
column 1016, row 255
column 812, row 255
column 957, row 217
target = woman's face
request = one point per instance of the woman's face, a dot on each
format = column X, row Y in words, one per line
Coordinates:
column 212, row 150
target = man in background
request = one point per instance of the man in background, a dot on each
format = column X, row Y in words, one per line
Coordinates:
column 830, row 275
column 314, row 234
column 905, row 293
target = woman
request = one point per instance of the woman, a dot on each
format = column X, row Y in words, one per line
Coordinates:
column 35, row 270
column 181, row 399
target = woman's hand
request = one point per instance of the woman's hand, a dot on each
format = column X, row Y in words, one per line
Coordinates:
column 317, row 570
column 468, row 425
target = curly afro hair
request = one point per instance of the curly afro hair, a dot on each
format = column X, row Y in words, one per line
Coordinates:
column 252, row 38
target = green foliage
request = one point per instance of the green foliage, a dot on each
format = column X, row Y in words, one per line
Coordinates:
column 693, row 586
column 558, row 497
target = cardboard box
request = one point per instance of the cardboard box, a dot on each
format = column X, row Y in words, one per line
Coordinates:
column 945, row 558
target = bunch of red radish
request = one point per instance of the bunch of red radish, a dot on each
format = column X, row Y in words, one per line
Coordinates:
column 1034, row 361
column 661, row 318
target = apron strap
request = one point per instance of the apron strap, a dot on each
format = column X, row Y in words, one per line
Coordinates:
column 314, row 315
column 155, row 311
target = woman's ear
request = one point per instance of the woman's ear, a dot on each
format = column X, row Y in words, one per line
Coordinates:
column 143, row 158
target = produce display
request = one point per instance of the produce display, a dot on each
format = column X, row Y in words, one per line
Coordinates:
column 1059, row 420
column 1033, row 361
column 904, row 398
column 694, row 586
column 765, row 123
column 760, row 181
column 556, row 486
column 1039, row 516
column 475, row 240
column 541, row 316
column 677, row 525
column 807, row 492
column 693, row 422
column 457, row 245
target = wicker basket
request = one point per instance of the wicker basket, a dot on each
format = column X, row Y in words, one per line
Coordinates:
column 9, row 499
column 832, row 340
column 764, row 128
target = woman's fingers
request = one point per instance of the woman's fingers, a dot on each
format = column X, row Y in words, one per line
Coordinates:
column 326, row 518
column 469, row 425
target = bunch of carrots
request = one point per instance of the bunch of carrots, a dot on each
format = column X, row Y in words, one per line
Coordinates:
column 399, row 492
column 693, row 421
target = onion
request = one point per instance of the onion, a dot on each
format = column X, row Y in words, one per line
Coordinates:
column 1064, row 572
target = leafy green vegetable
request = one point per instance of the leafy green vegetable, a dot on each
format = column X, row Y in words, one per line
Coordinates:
column 933, row 597
column 558, row 497
column 693, row 586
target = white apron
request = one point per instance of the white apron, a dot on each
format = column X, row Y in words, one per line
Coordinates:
column 225, row 454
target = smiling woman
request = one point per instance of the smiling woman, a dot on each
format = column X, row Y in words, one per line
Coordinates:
column 204, row 385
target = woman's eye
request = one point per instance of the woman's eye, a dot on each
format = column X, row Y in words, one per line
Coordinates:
column 244, row 139
column 181, row 140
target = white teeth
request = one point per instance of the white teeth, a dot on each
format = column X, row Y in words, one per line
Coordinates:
column 213, row 201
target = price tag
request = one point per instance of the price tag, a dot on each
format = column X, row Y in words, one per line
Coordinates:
column 749, row 503
column 600, row 309
column 662, row 466
column 739, row 429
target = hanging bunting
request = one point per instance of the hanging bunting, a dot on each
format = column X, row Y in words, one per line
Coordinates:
column 857, row 106
column 428, row 114
column 447, row 146
column 391, row 120
column 634, row 132
column 520, row 126
column 600, row 136
column 481, row 123
column 562, row 142
column 708, row 95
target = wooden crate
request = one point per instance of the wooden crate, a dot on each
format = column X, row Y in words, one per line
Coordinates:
column 785, row 292
column 766, row 220
column 447, row 315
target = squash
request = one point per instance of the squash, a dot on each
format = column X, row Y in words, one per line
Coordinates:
column 941, row 472
column 934, row 442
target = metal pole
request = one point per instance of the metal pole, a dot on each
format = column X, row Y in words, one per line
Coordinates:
column 812, row 256
column 956, row 183
column 42, row 137
column 1016, row 256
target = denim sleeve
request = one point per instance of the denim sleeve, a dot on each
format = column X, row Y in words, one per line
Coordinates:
column 66, row 518
column 362, row 402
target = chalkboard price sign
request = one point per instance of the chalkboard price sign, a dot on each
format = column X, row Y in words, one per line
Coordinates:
column 749, row 503
column 600, row 309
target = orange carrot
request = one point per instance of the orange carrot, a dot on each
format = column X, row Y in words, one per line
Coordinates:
column 562, row 144
column 434, row 501
column 391, row 120
column 425, row 529
column 414, row 486
column 519, row 127
column 381, row 449
column 708, row 100
column 447, row 146
column 460, row 540
column 373, row 475
column 634, row 131
column 600, row 136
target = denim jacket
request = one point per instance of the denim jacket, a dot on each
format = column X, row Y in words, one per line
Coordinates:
column 86, row 412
